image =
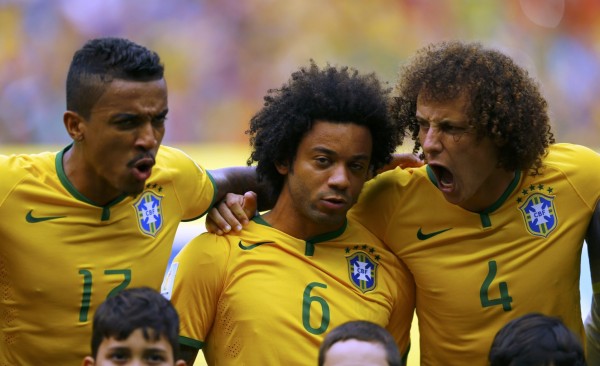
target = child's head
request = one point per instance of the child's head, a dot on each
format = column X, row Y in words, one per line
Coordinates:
column 359, row 342
column 136, row 323
column 536, row 339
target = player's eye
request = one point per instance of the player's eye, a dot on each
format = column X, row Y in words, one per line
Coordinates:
column 127, row 123
column 322, row 161
column 452, row 130
column 358, row 167
column 159, row 122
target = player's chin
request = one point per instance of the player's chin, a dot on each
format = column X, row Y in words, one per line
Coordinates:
column 133, row 188
column 332, row 219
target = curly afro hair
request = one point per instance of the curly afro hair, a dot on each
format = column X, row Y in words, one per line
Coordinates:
column 339, row 95
column 505, row 102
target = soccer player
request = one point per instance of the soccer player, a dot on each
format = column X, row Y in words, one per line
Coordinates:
column 537, row 340
column 359, row 342
column 492, row 227
column 268, row 295
column 138, row 326
column 81, row 224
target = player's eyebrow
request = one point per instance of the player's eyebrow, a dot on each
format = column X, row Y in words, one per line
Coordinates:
column 330, row 152
column 125, row 115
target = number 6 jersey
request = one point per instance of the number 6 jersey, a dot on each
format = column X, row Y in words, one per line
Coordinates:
column 263, row 297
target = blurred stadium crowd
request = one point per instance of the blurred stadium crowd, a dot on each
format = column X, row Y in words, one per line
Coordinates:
column 222, row 55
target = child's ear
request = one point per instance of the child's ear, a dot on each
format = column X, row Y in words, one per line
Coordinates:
column 180, row 363
column 89, row 361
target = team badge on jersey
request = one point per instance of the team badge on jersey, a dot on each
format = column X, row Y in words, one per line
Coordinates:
column 539, row 214
column 149, row 210
column 363, row 271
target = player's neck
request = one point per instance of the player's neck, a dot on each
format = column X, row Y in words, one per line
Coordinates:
column 80, row 176
column 286, row 217
column 490, row 192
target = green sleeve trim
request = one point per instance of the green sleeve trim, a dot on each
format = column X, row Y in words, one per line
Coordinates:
column 191, row 342
column 215, row 189
column 596, row 288
column 212, row 202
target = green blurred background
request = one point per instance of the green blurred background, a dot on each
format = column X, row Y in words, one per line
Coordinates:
column 221, row 56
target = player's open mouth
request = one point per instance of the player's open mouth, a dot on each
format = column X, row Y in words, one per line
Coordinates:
column 445, row 178
column 142, row 168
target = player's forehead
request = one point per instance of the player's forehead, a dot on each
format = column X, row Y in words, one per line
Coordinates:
column 337, row 136
column 456, row 109
column 135, row 97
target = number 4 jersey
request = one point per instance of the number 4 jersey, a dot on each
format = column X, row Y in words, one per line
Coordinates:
column 61, row 255
column 266, row 298
column 476, row 271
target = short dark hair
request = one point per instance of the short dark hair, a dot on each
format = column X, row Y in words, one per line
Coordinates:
column 332, row 94
column 136, row 308
column 365, row 331
column 505, row 103
column 102, row 60
column 536, row 340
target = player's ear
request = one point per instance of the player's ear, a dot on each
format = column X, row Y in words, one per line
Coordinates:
column 74, row 124
column 282, row 168
column 88, row 361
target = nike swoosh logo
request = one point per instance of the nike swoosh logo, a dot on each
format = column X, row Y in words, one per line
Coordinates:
column 32, row 219
column 422, row 236
column 250, row 247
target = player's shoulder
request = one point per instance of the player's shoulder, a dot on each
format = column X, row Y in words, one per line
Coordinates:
column 567, row 157
column 14, row 168
column 392, row 182
column 175, row 164
column 570, row 152
column 169, row 154
column 206, row 243
column 213, row 247
column 28, row 161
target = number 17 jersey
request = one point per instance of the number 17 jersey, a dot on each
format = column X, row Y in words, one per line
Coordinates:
column 61, row 255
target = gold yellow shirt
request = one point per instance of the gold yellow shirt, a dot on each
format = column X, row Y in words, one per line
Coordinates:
column 265, row 298
column 61, row 255
column 476, row 271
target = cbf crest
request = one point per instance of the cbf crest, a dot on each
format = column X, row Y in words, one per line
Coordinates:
column 363, row 271
column 539, row 214
column 149, row 211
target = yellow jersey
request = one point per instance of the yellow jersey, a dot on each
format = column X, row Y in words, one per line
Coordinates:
column 475, row 271
column 61, row 255
column 263, row 297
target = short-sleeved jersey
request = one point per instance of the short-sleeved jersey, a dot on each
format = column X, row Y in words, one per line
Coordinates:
column 267, row 298
column 61, row 255
column 476, row 271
